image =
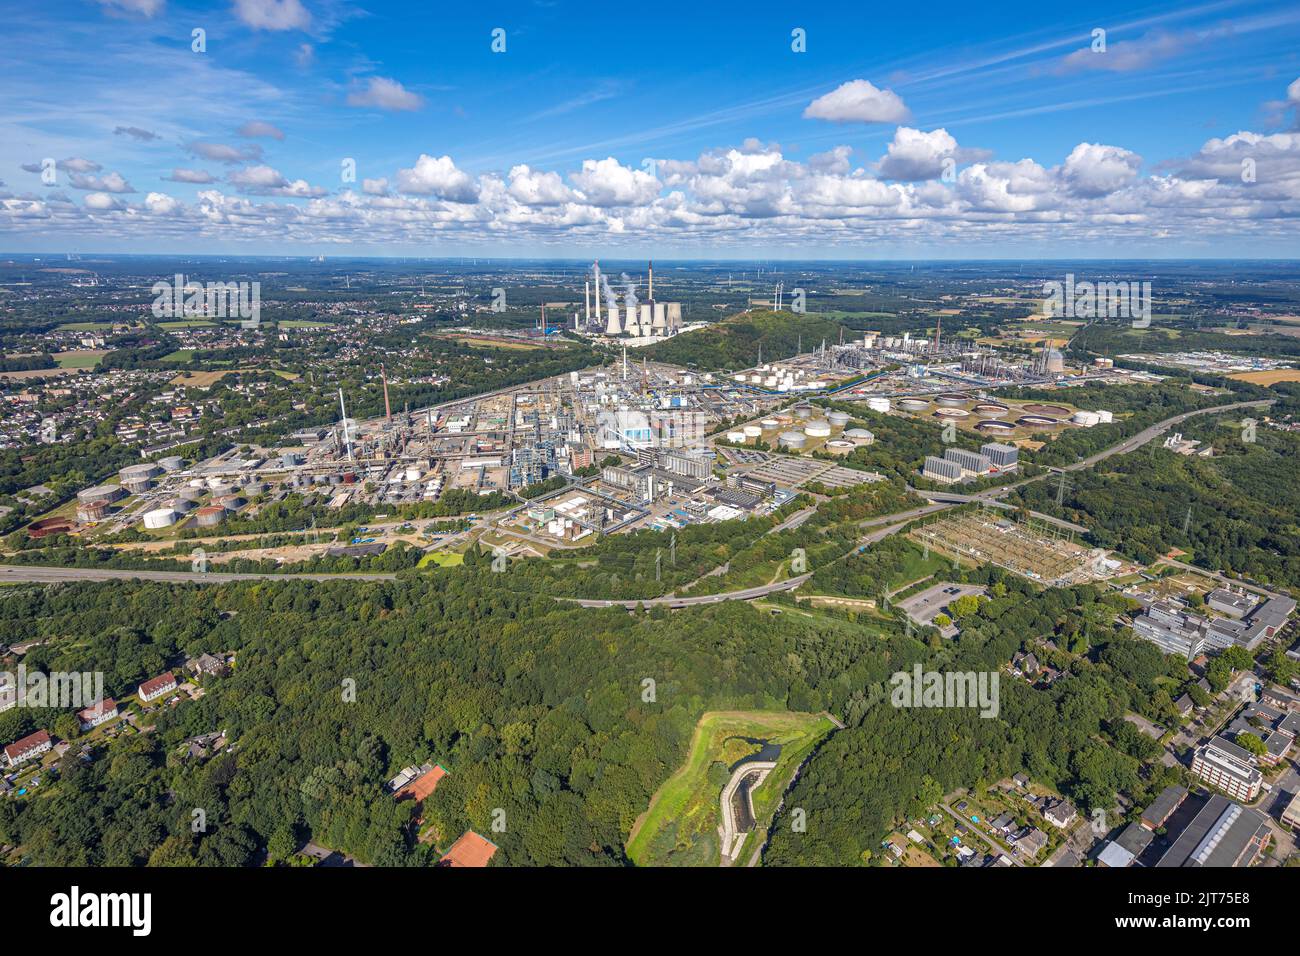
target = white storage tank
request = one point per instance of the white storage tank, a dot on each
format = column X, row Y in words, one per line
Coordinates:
column 818, row 429
column 138, row 472
column 736, row 438
column 878, row 404
column 1086, row 419
column 753, row 431
column 159, row 518
column 792, row 439
column 1104, row 417
column 838, row 419
column 104, row 493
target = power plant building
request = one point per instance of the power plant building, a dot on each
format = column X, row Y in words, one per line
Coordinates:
column 942, row 469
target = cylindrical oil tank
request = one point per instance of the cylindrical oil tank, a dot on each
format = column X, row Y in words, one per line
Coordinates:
column 159, row 518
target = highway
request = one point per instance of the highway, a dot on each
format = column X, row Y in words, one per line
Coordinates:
column 37, row 574
column 748, row 594
column 1127, row 445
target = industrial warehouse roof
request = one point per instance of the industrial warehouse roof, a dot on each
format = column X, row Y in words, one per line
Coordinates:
column 1220, row 836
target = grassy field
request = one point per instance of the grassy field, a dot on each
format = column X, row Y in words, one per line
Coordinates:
column 487, row 342
column 85, row 358
column 680, row 827
column 442, row 559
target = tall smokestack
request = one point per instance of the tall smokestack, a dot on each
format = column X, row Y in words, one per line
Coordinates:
column 343, row 410
column 586, row 298
column 388, row 409
column 595, row 274
column 650, row 287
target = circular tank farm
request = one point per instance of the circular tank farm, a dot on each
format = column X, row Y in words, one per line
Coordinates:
column 753, row 431
column 792, row 439
column 838, row 419
column 951, row 400
column 770, row 424
column 1036, row 421
column 839, row 447
column 913, row 404
column 990, row 409
column 1045, row 411
column 951, row 413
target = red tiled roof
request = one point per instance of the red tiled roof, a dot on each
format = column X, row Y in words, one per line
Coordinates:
column 32, row 740
column 106, row 706
column 421, row 786
column 470, row 850
column 155, row 684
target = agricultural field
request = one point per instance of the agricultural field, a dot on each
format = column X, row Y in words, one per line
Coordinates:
column 1269, row 377
column 680, row 827
column 83, row 358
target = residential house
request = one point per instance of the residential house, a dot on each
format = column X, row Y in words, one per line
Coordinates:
column 156, row 687
column 1029, row 841
column 96, row 714
column 207, row 665
column 33, row 745
column 1060, row 814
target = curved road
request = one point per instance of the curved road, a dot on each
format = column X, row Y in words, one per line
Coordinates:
column 1127, row 445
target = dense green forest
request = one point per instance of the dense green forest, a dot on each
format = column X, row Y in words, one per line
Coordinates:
column 735, row 342
column 539, row 711
column 536, row 709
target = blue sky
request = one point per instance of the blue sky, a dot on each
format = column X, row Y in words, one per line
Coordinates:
column 950, row 130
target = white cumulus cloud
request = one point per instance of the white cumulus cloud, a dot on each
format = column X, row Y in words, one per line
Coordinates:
column 858, row 101
column 386, row 94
